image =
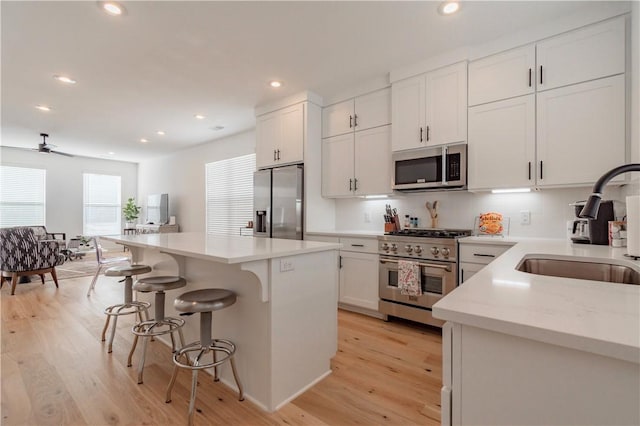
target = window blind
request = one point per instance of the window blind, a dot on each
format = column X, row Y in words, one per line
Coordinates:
column 101, row 204
column 22, row 196
column 229, row 192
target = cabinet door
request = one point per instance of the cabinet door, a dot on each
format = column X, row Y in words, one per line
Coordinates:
column 373, row 110
column 581, row 131
column 467, row 270
column 268, row 134
column 592, row 52
column 505, row 75
column 408, row 113
column 446, row 105
column 337, row 119
column 337, row 166
column 291, row 145
column 359, row 279
column 373, row 161
column 501, row 148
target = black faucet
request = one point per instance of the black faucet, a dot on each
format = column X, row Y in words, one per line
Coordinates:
column 590, row 210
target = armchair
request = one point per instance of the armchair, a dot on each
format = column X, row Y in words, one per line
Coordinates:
column 41, row 233
column 21, row 253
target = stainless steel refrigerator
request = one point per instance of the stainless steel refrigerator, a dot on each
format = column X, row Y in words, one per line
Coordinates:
column 277, row 203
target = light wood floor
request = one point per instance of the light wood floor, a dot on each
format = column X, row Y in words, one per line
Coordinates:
column 55, row 370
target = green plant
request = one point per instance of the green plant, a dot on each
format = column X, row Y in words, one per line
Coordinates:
column 130, row 210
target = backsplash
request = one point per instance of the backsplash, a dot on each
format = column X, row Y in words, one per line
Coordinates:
column 549, row 210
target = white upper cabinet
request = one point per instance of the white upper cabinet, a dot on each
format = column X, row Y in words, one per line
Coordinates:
column 357, row 164
column 580, row 131
column 430, row 109
column 501, row 145
column 280, row 137
column 586, row 54
column 505, row 75
column 361, row 113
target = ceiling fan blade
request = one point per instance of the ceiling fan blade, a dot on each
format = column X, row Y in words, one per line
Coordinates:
column 61, row 153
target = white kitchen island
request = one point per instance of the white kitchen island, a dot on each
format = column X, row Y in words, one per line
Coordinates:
column 284, row 322
column 520, row 348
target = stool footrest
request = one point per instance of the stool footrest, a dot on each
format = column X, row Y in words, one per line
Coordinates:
column 157, row 328
column 126, row 308
column 218, row 345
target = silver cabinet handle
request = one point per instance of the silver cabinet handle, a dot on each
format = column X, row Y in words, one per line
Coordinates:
column 427, row 133
column 274, row 155
column 540, row 74
column 355, row 120
column 484, row 255
column 350, row 184
column 529, row 77
column 529, row 170
column 350, row 121
column 355, row 184
column 541, row 174
column 357, row 245
column 420, row 134
column 278, row 154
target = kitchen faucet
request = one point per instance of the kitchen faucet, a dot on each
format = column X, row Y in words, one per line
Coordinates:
column 590, row 210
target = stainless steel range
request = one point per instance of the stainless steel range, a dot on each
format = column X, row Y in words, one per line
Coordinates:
column 435, row 251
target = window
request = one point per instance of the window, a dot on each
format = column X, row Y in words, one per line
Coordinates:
column 102, row 208
column 22, row 196
column 230, row 194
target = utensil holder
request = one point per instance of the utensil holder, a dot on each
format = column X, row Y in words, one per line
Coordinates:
column 389, row 227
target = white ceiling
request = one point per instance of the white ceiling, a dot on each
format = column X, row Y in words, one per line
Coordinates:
column 163, row 62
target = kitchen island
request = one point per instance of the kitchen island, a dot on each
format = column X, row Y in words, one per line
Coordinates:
column 284, row 322
column 521, row 348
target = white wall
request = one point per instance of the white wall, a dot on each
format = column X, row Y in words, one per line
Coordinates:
column 549, row 209
column 64, row 183
column 182, row 176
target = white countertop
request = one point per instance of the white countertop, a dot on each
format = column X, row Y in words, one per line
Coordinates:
column 223, row 249
column 347, row 234
column 593, row 316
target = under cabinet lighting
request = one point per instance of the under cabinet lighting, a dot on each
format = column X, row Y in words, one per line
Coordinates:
column 510, row 190
column 64, row 79
column 43, row 108
column 375, row 196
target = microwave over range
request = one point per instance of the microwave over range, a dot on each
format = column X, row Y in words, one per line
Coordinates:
column 437, row 168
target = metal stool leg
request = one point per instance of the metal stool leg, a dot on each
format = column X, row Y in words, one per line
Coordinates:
column 171, row 383
column 106, row 325
column 112, row 335
column 133, row 348
column 192, row 401
column 235, row 376
column 142, row 359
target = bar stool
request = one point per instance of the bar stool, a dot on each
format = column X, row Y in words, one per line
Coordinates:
column 205, row 302
column 129, row 306
column 160, row 324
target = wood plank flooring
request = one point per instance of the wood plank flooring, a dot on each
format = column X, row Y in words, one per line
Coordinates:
column 55, row 370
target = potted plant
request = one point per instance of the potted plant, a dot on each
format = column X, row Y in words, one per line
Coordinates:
column 130, row 212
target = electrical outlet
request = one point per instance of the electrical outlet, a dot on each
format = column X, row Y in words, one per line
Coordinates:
column 525, row 217
column 367, row 217
column 286, row 265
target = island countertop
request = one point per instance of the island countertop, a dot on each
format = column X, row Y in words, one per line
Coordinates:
column 223, row 249
column 593, row 316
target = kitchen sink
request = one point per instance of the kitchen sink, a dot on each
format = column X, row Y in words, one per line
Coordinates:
column 572, row 267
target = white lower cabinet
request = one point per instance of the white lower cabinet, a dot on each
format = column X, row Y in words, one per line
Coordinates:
column 359, row 279
column 473, row 257
column 492, row 378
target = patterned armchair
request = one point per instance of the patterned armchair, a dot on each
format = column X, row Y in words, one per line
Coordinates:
column 21, row 253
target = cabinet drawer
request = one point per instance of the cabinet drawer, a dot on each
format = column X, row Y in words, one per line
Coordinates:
column 364, row 245
column 480, row 253
column 322, row 238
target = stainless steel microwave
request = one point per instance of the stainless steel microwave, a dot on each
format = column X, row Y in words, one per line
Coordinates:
column 438, row 168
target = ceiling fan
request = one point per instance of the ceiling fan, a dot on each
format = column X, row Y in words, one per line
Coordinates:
column 45, row 148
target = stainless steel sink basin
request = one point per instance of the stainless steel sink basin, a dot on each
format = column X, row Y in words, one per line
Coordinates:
column 580, row 269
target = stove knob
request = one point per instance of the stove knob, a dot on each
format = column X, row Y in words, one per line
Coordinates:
column 394, row 247
column 445, row 252
column 408, row 248
column 385, row 246
column 417, row 249
column 434, row 251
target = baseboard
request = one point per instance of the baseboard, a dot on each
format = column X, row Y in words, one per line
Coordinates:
column 364, row 311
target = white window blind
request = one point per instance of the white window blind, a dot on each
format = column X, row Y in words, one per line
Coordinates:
column 230, row 194
column 102, row 205
column 22, row 196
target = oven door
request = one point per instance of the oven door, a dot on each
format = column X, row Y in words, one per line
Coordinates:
column 437, row 280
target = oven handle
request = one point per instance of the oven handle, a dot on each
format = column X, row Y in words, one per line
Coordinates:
column 428, row 265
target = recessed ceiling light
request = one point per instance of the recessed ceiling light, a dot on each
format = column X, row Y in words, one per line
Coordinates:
column 275, row 83
column 143, row 140
column 199, row 116
column 64, row 79
column 448, row 7
column 111, row 153
column 112, row 7
column 43, row 108
column 160, row 132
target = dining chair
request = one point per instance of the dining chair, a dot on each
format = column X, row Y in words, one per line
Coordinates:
column 102, row 262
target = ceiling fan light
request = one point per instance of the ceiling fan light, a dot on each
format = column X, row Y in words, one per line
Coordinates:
column 112, row 8
column 448, row 7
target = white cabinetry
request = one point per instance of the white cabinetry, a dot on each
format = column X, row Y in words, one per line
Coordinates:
column 430, row 109
column 576, row 131
column 361, row 113
column 472, row 257
column 280, row 137
column 357, row 163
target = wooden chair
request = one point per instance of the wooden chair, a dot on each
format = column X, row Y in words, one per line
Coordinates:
column 102, row 262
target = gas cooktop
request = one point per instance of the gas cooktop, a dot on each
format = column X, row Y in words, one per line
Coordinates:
column 431, row 233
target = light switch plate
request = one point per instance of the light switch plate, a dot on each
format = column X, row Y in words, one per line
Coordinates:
column 525, row 217
column 286, row 265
